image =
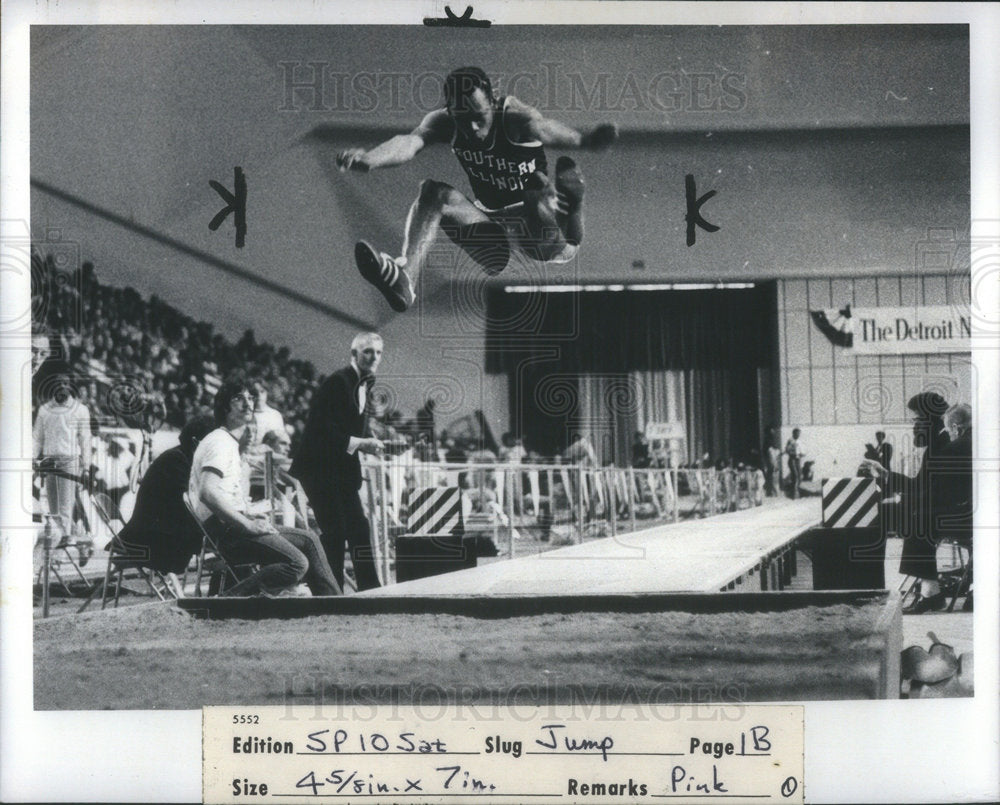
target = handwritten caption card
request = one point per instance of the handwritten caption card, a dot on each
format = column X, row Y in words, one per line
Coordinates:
column 595, row 753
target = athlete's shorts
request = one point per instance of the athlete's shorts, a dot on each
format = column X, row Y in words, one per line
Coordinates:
column 512, row 220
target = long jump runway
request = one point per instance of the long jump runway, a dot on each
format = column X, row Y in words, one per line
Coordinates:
column 690, row 556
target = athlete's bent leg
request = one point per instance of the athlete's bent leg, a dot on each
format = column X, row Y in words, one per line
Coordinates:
column 569, row 194
column 438, row 205
column 468, row 227
column 396, row 278
column 545, row 239
column 485, row 242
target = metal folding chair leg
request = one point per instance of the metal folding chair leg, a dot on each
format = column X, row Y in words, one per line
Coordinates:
column 955, row 580
column 103, row 587
column 907, row 589
column 121, row 559
column 209, row 545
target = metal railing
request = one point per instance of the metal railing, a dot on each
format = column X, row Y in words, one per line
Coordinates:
column 556, row 504
column 559, row 504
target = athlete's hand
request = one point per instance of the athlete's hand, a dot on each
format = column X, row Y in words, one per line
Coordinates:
column 602, row 136
column 353, row 159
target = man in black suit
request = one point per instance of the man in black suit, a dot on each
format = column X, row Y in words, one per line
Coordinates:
column 327, row 460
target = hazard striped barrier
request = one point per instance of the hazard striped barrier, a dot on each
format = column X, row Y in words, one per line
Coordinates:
column 435, row 510
column 850, row 502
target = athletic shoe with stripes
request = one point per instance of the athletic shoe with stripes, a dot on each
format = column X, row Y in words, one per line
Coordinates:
column 381, row 270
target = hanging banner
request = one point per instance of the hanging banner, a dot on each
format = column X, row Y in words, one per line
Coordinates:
column 907, row 330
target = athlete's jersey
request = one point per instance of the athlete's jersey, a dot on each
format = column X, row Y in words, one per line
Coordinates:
column 498, row 168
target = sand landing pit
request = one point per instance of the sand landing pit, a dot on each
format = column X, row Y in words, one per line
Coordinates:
column 659, row 648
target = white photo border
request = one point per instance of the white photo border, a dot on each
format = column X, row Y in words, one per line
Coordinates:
column 944, row 750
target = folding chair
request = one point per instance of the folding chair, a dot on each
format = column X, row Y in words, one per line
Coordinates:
column 58, row 553
column 58, row 540
column 908, row 590
column 212, row 559
column 124, row 557
column 956, row 579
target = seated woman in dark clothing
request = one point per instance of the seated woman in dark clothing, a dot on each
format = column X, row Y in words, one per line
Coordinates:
column 161, row 528
column 918, row 517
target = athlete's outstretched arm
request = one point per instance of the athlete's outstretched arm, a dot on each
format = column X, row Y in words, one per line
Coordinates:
column 434, row 128
column 558, row 135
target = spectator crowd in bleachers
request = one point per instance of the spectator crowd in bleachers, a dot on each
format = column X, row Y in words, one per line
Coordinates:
column 102, row 334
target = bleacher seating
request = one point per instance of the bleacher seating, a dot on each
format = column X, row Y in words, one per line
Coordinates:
column 105, row 336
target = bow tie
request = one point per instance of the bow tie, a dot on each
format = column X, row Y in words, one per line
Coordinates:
column 362, row 393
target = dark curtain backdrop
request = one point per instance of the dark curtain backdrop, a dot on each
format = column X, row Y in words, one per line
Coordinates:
column 552, row 345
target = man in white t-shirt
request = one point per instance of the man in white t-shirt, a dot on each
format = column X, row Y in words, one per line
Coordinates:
column 217, row 491
column 266, row 418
